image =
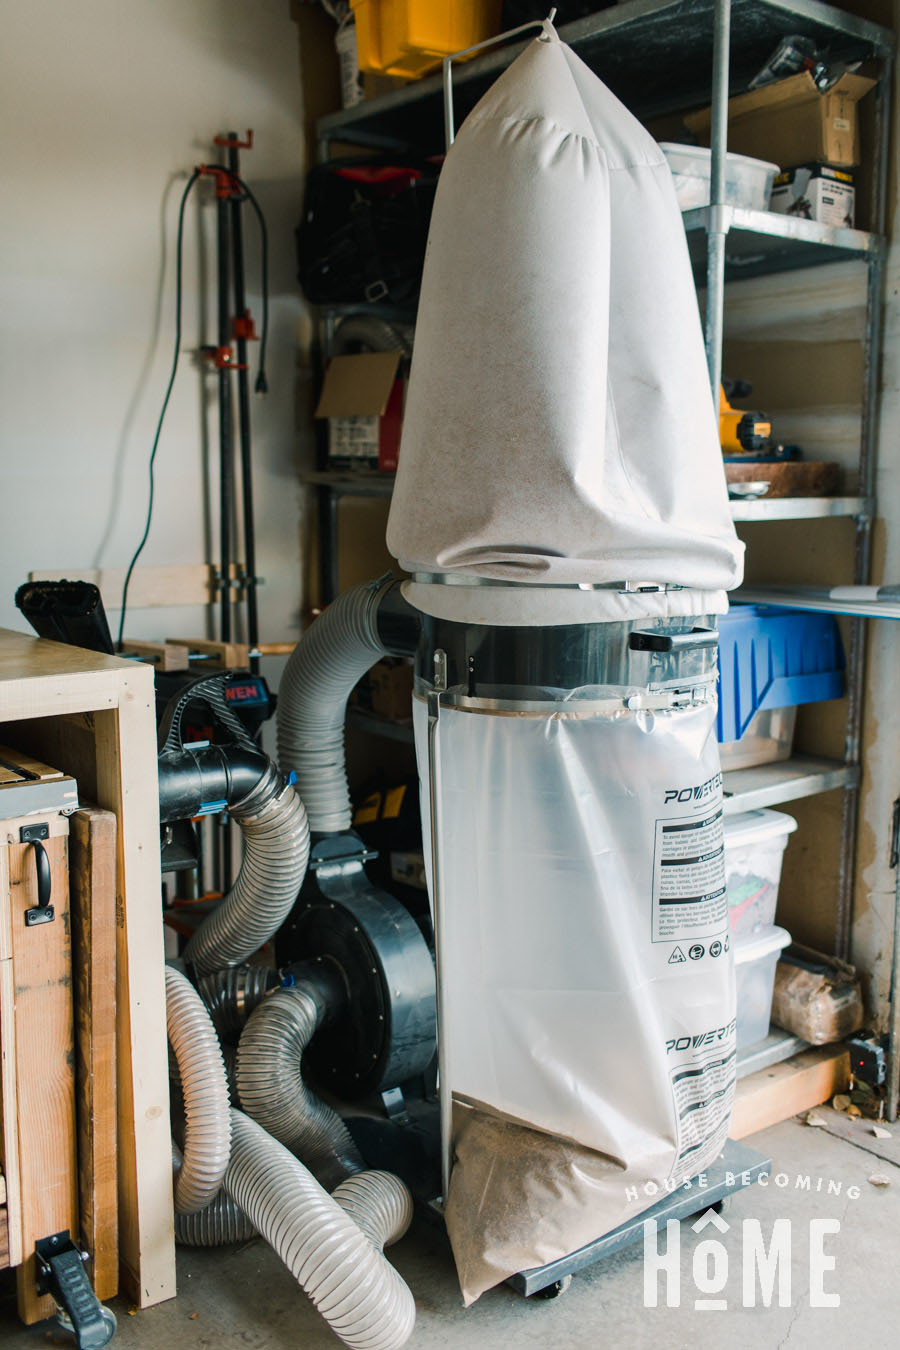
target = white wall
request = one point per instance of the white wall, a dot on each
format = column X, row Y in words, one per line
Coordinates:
column 107, row 105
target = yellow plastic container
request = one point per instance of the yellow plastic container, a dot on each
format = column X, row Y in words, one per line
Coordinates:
column 409, row 38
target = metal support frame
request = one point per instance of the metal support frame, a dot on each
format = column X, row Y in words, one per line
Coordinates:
column 893, row 1080
column 226, row 426
column 856, row 663
column 243, row 391
column 718, row 220
column 439, row 687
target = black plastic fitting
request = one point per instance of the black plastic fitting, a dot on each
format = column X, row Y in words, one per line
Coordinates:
column 206, row 779
column 399, row 624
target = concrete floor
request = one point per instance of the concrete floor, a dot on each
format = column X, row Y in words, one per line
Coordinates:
column 245, row 1297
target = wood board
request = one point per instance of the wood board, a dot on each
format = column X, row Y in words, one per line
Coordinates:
column 39, row 1159
column 92, row 866
column 783, row 1090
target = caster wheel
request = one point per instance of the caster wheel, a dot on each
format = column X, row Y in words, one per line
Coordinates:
column 97, row 1336
column 554, row 1290
column 722, row 1206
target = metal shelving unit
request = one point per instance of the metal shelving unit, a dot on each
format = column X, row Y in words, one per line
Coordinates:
column 375, row 484
column 762, row 242
column 658, row 57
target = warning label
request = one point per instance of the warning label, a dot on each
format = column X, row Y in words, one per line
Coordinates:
column 704, row 1094
column 689, row 879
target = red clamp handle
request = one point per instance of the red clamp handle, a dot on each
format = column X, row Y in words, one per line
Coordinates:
column 235, row 142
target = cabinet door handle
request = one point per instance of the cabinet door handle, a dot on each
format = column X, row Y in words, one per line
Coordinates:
column 42, row 867
column 42, row 912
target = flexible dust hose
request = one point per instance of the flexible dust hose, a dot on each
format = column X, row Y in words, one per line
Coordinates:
column 220, row 1223
column 331, row 657
column 379, row 1203
column 271, row 1088
column 207, row 1131
column 231, row 995
column 354, row 1287
column 216, row 1226
column 376, row 335
column 276, row 849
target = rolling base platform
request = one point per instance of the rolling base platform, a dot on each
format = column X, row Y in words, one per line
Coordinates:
column 409, row 1145
column 735, row 1167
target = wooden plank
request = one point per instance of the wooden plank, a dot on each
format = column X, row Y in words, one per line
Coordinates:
column 223, row 655
column 149, row 588
column 276, row 648
column 9, row 1105
column 161, row 655
column 126, row 783
column 4, row 1240
column 92, row 870
column 783, row 1090
column 9, row 1133
column 45, row 1076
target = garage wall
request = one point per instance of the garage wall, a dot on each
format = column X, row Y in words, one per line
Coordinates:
column 107, row 105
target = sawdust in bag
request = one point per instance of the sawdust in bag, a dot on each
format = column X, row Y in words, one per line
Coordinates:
column 589, row 989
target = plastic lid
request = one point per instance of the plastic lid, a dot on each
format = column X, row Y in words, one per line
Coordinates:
column 756, row 946
column 703, row 152
column 753, row 827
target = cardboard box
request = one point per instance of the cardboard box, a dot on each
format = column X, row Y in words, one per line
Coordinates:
column 391, row 687
column 815, row 192
column 362, row 398
column 791, row 123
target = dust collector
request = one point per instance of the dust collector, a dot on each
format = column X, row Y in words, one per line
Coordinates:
column 561, row 510
column 561, row 513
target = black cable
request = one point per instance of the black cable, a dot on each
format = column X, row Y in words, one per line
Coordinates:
column 261, row 385
column 159, row 425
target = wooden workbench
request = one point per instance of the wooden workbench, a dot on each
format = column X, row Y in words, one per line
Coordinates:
column 93, row 717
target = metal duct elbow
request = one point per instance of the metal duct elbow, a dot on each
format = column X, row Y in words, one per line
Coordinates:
column 276, row 850
column 272, row 1090
column 331, row 657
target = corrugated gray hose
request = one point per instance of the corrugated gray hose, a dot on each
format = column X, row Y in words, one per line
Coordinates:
column 365, row 330
column 331, row 657
column 276, row 849
column 220, row 1223
column 231, row 995
column 272, row 1091
column 339, row 1264
column 207, row 1131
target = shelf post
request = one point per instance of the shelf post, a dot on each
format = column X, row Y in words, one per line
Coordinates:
column 868, row 451
column 718, row 228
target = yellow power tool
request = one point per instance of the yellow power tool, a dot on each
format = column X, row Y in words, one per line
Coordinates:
column 741, row 432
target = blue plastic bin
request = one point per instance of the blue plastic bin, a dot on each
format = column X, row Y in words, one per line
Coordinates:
column 773, row 657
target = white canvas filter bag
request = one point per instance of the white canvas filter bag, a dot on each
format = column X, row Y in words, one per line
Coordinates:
column 558, row 424
column 589, row 1003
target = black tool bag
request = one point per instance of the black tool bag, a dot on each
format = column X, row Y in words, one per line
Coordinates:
column 364, row 228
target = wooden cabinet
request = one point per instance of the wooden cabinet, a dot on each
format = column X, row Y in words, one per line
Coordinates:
column 92, row 716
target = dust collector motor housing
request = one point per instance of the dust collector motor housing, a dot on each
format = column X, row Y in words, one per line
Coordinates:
column 383, row 1030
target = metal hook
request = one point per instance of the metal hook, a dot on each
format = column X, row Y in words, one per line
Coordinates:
column 449, row 128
